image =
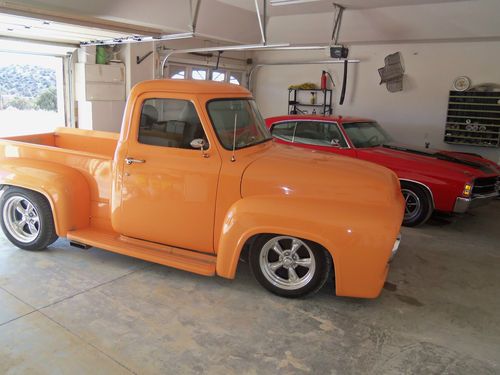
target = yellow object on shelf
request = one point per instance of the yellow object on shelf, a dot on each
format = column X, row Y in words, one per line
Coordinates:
column 303, row 86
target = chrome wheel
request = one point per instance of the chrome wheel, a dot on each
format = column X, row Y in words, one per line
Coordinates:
column 287, row 262
column 413, row 205
column 21, row 219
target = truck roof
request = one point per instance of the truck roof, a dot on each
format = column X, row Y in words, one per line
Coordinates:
column 189, row 87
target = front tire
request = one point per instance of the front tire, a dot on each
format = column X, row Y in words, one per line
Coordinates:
column 418, row 204
column 27, row 219
column 288, row 266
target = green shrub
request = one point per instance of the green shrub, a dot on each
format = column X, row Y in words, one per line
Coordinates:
column 47, row 100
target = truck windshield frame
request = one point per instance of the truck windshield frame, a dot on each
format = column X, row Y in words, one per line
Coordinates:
column 250, row 130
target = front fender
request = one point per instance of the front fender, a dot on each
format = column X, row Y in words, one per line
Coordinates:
column 359, row 237
column 64, row 187
column 257, row 215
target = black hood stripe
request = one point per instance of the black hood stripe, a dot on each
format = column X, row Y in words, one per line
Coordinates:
column 440, row 156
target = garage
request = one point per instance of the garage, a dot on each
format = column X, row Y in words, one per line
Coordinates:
column 267, row 186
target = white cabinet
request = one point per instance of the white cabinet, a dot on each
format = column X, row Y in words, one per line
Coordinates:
column 96, row 82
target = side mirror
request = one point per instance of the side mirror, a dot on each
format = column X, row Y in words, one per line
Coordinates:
column 199, row 143
column 335, row 143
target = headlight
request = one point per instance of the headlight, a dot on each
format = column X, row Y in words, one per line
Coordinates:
column 467, row 190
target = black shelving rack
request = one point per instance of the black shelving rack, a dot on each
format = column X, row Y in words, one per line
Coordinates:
column 321, row 107
column 473, row 118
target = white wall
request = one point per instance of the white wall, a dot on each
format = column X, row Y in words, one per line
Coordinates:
column 414, row 116
column 137, row 72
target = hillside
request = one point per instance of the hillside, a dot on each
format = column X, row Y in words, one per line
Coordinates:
column 26, row 80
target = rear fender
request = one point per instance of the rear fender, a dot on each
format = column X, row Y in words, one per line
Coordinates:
column 65, row 188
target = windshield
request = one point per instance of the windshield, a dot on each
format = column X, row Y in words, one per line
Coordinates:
column 366, row 134
column 237, row 122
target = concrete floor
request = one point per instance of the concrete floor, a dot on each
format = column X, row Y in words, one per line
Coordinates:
column 69, row 311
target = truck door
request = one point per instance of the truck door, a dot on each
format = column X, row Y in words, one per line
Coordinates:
column 168, row 187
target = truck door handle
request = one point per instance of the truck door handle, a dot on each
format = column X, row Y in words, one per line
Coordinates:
column 130, row 161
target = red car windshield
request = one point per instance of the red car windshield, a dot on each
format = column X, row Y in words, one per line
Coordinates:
column 366, row 134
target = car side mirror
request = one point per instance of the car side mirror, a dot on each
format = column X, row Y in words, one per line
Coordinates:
column 200, row 144
column 335, row 143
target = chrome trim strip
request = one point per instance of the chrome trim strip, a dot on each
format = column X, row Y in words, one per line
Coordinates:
column 424, row 185
column 326, row 121
column 395, row 248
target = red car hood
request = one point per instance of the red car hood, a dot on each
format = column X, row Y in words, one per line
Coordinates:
column 426, row 158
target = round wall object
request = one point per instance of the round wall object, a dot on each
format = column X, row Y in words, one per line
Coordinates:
column 461, row 83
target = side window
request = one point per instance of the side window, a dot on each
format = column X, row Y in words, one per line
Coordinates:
column 319, row 134
column 169, row 123
column 176, row 72
column 335, row 135
column 284, row 131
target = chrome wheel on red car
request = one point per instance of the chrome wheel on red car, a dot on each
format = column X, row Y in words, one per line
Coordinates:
column 418, row 204
column 412, row 204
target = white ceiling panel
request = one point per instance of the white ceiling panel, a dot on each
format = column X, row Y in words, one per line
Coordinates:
column 319, row 6
column 37, row 29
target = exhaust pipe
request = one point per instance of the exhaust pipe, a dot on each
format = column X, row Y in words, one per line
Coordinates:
column 79, row 245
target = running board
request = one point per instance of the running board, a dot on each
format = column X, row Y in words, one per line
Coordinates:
column 199, row 263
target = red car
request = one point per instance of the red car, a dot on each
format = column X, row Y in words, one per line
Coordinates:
column 430, row 179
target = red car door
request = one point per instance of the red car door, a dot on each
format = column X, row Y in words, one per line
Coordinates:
column 313, row 134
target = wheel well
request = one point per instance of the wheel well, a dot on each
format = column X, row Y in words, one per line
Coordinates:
column 6, row 187
column 421, row 185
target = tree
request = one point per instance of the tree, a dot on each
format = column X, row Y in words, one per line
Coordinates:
column 20, row 103
column 47, row 100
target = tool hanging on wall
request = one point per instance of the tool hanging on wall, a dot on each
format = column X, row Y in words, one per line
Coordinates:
column 344, row 83
column 339, row 51
column 140, row 59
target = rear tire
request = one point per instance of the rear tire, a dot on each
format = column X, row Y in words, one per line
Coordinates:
column 418, row 204
column 26, row 219
column 288, row 266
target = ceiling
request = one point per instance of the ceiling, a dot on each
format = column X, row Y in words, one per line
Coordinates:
column 365, row 21
column 318, row 6
column 18, row 27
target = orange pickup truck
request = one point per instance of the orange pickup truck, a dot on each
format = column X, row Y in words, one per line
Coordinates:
column 194, row 177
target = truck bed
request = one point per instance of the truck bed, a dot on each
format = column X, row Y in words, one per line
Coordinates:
column 89, row 152
column 86, row 141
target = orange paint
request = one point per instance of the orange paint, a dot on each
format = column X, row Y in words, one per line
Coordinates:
column 196, row 213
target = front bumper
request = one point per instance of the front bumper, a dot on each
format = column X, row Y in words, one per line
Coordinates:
column 462, row 205
column 395, row 247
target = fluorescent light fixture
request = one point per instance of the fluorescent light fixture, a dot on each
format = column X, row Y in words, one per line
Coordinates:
column 289, row 2
column 138, row 39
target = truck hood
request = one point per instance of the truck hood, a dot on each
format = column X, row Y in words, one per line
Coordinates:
column 290, row 171
column 423, row 158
